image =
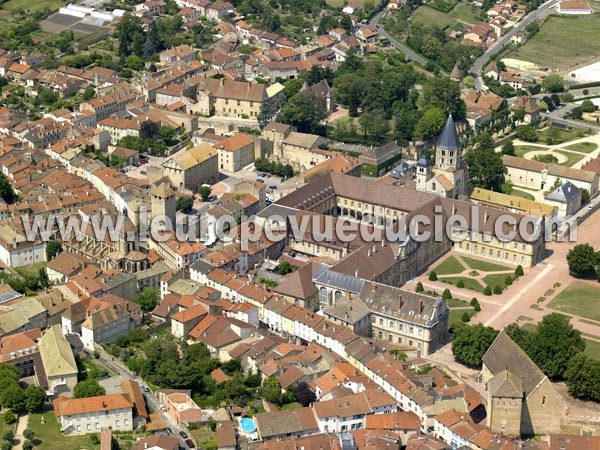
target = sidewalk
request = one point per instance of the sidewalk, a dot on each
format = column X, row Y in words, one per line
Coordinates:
column 22, row 422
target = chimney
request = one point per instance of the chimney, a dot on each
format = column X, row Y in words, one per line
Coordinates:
column 222, row 82
column 486, row 216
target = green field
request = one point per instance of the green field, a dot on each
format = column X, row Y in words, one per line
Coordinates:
column 560, row 135
column 579, row 298
column 449, row 266
column 484, row 266
column 497, row 279
column 584, row 147
column 49, row 437
column 455, row 303
column 470, row 283
column 572, row 158
column 427, row 16
column 204, row 437
column 466, row 13
column 563, row 43
column 456, row 314
column 34, row 5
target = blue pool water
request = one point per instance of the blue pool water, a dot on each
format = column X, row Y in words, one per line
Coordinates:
column 248, row 425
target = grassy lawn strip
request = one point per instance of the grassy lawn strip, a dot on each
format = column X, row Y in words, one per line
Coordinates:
column 49, row 437
column 470, row 283
column 522, row 194
column 572, row 158
column 484, row 266
column 449, row 266
column 466, row 13
column 495, row 279
column 579, row 298
column 429, row 16
column 53, row 5
column 204, row 437
column 293, row 405
column 456, row 303
column 456, row 315
column 561, row 135
column 585, row 147
column 520, row 150
column 592, row 349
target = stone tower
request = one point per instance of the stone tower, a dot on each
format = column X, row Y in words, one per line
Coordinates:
column 505, row 403
column 163, row 202
column 448, row 154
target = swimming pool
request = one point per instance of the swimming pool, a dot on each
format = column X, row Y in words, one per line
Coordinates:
column 248, row 425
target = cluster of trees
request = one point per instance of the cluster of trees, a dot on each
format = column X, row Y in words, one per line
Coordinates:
column 147, row 299
column 486, row 169
column 284, row 267
column 553, row 83
column 88, row 388
column 154, row 139
column 305, row 111
column 583, row 261
column 274, row 168
column 26, row 282
column 184, row 204
column 13, row 397
column 7, row 192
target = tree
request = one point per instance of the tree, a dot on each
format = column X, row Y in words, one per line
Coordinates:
column 588, row 106
column 433, row 276
column 460, row 284
column 13, row 398
column 470, row 343
column 526, row 133
column 204, row 192
column 419, row 287
column 486, row 169
column 8, row 435
column 508, row 148
column 28, row 434
column 304, row 394
column 447, row 294
column 553, row 345
column 582, row 260
column 271, row 390
column 9, row 417
column 27, row 445
column 184, row 204
column 487, row 291
column 431, row 123
column 583, row 377
column 443, row 93
column 305, row 111
column 553, row 83
column 134, row 62
column 89, row 93
column 35, row 397
column 6, row 190
column 147, row 299
column 88, row 388
column 577, row 112
column 284, row 267
column 497, row 289
column 153, row 43
column 53, row 248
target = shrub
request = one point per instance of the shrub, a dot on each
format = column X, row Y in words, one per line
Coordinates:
column 6, row 446
column 447, row 294
column 474, row 301
column 487, row 291
column 8, row 435
column 9, row 417
column 519, row 271
column 508, row 280
column 460, row 284
column 466, row 317
column 477, row 307
column 497, row 289
column 433, row 276
column 28, row 434
column 419, row 287
column 27, row 445
column 94, row 438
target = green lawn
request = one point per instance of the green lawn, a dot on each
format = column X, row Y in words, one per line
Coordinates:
column 470, row 283
column 49, row 437
column 456, row 314
column 592, row 349
column 466, row 13
column 204, row 437
column 34, row 5
column 427, row 16
column 449, row 266
column 572, row 158
column 522, row 194
column 520, row 150
column 560, row 135
column 495, row 279
column 562, row 42
column 484, row 266
column 31, row 269
column 585, row 147
column 579, row 298
column 293, row 405
column 455, row 303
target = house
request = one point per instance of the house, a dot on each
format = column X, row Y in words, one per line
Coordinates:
column 184, row 321
column 226, row 435
column 235, row 152
column 574, row 7
column 181, row 53
column 21, row 351
column 480, row 34
column 368, row 35
column 180, row 406
column 298, row 423
column 59, row 364
column 16, row 251
column 64, row 265
column 131, row 388
column 157, row 442
column 216, row 11
column 242, row 99
column 106, row 325
column 189, row 169
column 351, row 8
column 176, row 254
column 566, row 198
column 321, row 90
column 93, row 414
column 521, row 399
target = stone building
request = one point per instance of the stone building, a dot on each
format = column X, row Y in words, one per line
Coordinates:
column 189, row 169
column 521, row 399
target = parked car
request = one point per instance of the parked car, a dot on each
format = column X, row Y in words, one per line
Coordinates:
column 260, row 180
column 183, row 434
column 190, row 443
column 143, row 172
column 273, row 187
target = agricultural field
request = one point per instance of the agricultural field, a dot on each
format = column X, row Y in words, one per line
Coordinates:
column 427, row 16
column 563, row 43
column 466, row 13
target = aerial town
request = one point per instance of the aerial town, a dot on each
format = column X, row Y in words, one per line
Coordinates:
column 299, row 225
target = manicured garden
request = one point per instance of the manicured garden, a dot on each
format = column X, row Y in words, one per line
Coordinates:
column 467, row 283
column 449, row 266
column 584, row 147
column 579, row 298
column 49, row 437
column 572, row 158
column 484, row 266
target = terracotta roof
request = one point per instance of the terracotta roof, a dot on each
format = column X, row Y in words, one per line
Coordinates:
column 74, row 406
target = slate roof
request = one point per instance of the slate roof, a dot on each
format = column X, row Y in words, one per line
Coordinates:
column 449, row 138
column 565, row 193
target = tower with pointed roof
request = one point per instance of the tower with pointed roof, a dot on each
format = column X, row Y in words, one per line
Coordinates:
column 448, row 176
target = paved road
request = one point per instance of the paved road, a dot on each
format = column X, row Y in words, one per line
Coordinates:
column 116, row 366
column 573, row 123
column 541, row 13
column 410, row 54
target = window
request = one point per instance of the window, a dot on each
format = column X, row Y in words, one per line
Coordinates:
column 391, row 338
column 399, row 340
column 89, row 426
